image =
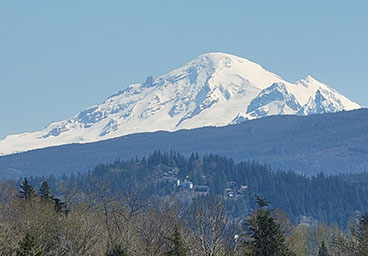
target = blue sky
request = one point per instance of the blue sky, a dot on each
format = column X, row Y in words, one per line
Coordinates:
column 59, row 57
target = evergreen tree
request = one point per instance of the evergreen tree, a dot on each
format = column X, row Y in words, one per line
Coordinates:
column 27, row 191
column 323, row 250
column 28, row 246
column 266, row 236
column 363, row 235
column 117, row 250
column 45, row 192
column 60, row 206
column 177, row 245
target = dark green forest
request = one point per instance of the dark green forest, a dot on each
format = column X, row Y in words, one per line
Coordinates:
column 321, row 198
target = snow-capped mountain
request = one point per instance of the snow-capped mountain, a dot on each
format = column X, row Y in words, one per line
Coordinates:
column 215, row 89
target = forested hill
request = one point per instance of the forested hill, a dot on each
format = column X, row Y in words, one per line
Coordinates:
column 332, row 143
column 331, row 199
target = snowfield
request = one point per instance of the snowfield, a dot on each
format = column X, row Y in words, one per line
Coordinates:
column 215, row 89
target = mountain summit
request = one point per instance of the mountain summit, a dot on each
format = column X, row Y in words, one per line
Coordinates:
column 215, row 89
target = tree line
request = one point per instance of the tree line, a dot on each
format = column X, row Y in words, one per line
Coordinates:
column 32, row 223
column 328, row 199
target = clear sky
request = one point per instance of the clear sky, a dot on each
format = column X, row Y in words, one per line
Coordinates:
column 59, row 57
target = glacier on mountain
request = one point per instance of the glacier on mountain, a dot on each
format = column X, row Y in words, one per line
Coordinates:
column 215, row 89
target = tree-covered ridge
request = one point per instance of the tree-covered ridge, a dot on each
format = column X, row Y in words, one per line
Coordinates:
column 332, row 143
column 330, row 199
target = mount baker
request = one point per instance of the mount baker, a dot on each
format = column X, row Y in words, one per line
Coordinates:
column 215, row 89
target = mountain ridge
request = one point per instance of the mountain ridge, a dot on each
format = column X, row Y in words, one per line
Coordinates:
column 333, row 143
column 215, row 89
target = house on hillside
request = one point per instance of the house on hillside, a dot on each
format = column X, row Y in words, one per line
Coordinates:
column 233, row 190
column 185, row 184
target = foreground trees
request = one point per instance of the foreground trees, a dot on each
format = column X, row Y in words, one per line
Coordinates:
column 177, row 246
column 266, row 236
column 100, row 224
